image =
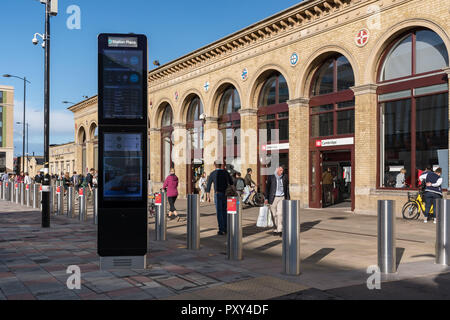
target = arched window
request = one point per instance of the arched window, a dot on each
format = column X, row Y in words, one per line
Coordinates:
column 194, row 127
column 195, row 109
column 274, row 91
column 332, row 101
column 230, row 126
column 166, row 141
column 418, row 52
column 413, row 109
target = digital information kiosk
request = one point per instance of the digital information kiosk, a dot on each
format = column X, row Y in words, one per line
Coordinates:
column 122, row 140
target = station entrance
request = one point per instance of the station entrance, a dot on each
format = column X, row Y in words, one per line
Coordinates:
column 332, row 178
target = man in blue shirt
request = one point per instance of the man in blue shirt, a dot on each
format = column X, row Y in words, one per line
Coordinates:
column 221, row 179
column 433, row 191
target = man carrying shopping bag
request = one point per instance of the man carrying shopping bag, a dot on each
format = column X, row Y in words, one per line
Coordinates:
column 277, row 190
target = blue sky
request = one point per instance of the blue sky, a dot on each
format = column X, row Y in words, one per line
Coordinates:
column 174, row 28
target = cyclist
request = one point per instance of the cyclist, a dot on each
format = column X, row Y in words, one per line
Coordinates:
column 433, row 191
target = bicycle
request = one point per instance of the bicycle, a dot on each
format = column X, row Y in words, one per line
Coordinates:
column 415, row 206
column 151, row 205
column 255, row 199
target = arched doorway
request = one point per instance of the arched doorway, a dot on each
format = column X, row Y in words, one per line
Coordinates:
column 94, row 140
column 413, row 108
column 229, row 127
column 273, row 126
column 166, row 141
column 82, row 143
column 332, row 129
column 194, row 127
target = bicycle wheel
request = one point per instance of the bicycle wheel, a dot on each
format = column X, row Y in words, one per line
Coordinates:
column 258, row 200
column 411, row 211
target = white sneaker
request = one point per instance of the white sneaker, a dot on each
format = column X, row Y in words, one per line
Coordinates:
column 434, row 221
column 425, row 221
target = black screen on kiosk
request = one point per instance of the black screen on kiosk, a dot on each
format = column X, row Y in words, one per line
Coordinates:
column 122, row 82
column 123, row 160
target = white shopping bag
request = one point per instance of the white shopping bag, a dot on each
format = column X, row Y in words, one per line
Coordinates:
column 264, row 218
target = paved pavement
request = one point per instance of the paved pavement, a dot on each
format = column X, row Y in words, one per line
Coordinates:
column 336, row 249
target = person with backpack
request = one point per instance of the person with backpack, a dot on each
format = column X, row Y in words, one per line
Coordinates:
column 239, row 184
column 433, row 191
column 171, row 185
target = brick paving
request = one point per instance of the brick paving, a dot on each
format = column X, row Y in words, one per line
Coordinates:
column 336, row 249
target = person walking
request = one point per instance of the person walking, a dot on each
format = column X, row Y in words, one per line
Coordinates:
column 249, row 184
column 27, row 178
column 277, row 190
column 221, row 179
column 327, row 184
column 171, row 186
column 20, row 177
column 433, row 190
column 67, row 182
column 75, row 179
column 202, row 185
column 239, row 183
column 5, row 177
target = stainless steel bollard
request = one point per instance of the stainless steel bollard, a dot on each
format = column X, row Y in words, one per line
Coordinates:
column 2, row 190
column 28, row 195
column 13, row 192
column 53, row 200
column 82, row 204
column 234, row 226
column 40, row 197
column 193, row 222
column 161, row 218
column 70, row 202
column 7, row 190
column 442, row 210
column 95, row 205
column 22, row 194
column 59, row 201
column 36, row 196
column 17, row 195
column 291, row 237
column 387, row 261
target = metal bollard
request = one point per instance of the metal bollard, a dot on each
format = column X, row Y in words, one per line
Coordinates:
column 2, row 190
column 17, row 194
column 387, row 261
column 59, row 201
column 234, row 226
column 36, row 196
column 193, row 222
column 70, row 202
column 28, row 195
column 12, row 198
column 52, row 199
column 95, row 205
column 7, row 191
column 291, row 237
column 22, row 194
column 82, row 204
column 161, row 218
column 40, row 197
column 442, row 210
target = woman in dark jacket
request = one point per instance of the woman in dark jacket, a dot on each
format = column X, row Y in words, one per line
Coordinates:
column 171, row 185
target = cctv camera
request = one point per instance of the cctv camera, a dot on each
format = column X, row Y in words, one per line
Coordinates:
column 35, row 41
column 202, row 116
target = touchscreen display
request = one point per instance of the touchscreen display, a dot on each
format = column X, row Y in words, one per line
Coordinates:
column 122, row 166
column 123, row 84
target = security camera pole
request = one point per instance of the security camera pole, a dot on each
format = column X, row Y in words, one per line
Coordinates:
column 51, row 8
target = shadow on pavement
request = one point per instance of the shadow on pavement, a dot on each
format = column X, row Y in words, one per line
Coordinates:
column 306, row 226
column 319, row 255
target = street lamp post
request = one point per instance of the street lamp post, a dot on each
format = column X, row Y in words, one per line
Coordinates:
column 24, row 105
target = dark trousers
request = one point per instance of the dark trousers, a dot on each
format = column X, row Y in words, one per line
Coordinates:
column 221, row 208
column 429, row 201
column 172, row 203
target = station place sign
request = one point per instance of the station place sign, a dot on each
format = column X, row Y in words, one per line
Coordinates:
column 335, row 142
column 280, row 146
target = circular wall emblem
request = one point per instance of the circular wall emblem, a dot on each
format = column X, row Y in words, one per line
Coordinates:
column 176, row 95
column 206, row 86
column 244, row 74
column 362, row 37
column 294, row 59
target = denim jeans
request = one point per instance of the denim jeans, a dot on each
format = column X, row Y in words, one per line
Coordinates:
column 221, row 208
column 429, row 199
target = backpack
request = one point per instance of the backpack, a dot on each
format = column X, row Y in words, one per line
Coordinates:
column 240, row 184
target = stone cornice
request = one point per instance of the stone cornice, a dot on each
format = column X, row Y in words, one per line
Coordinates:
column 248, row 112
column 299, row 102
column 318, row 16
column 369, row 88
column 83, row 104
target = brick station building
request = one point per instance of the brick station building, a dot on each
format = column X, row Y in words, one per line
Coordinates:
column 360, row 87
